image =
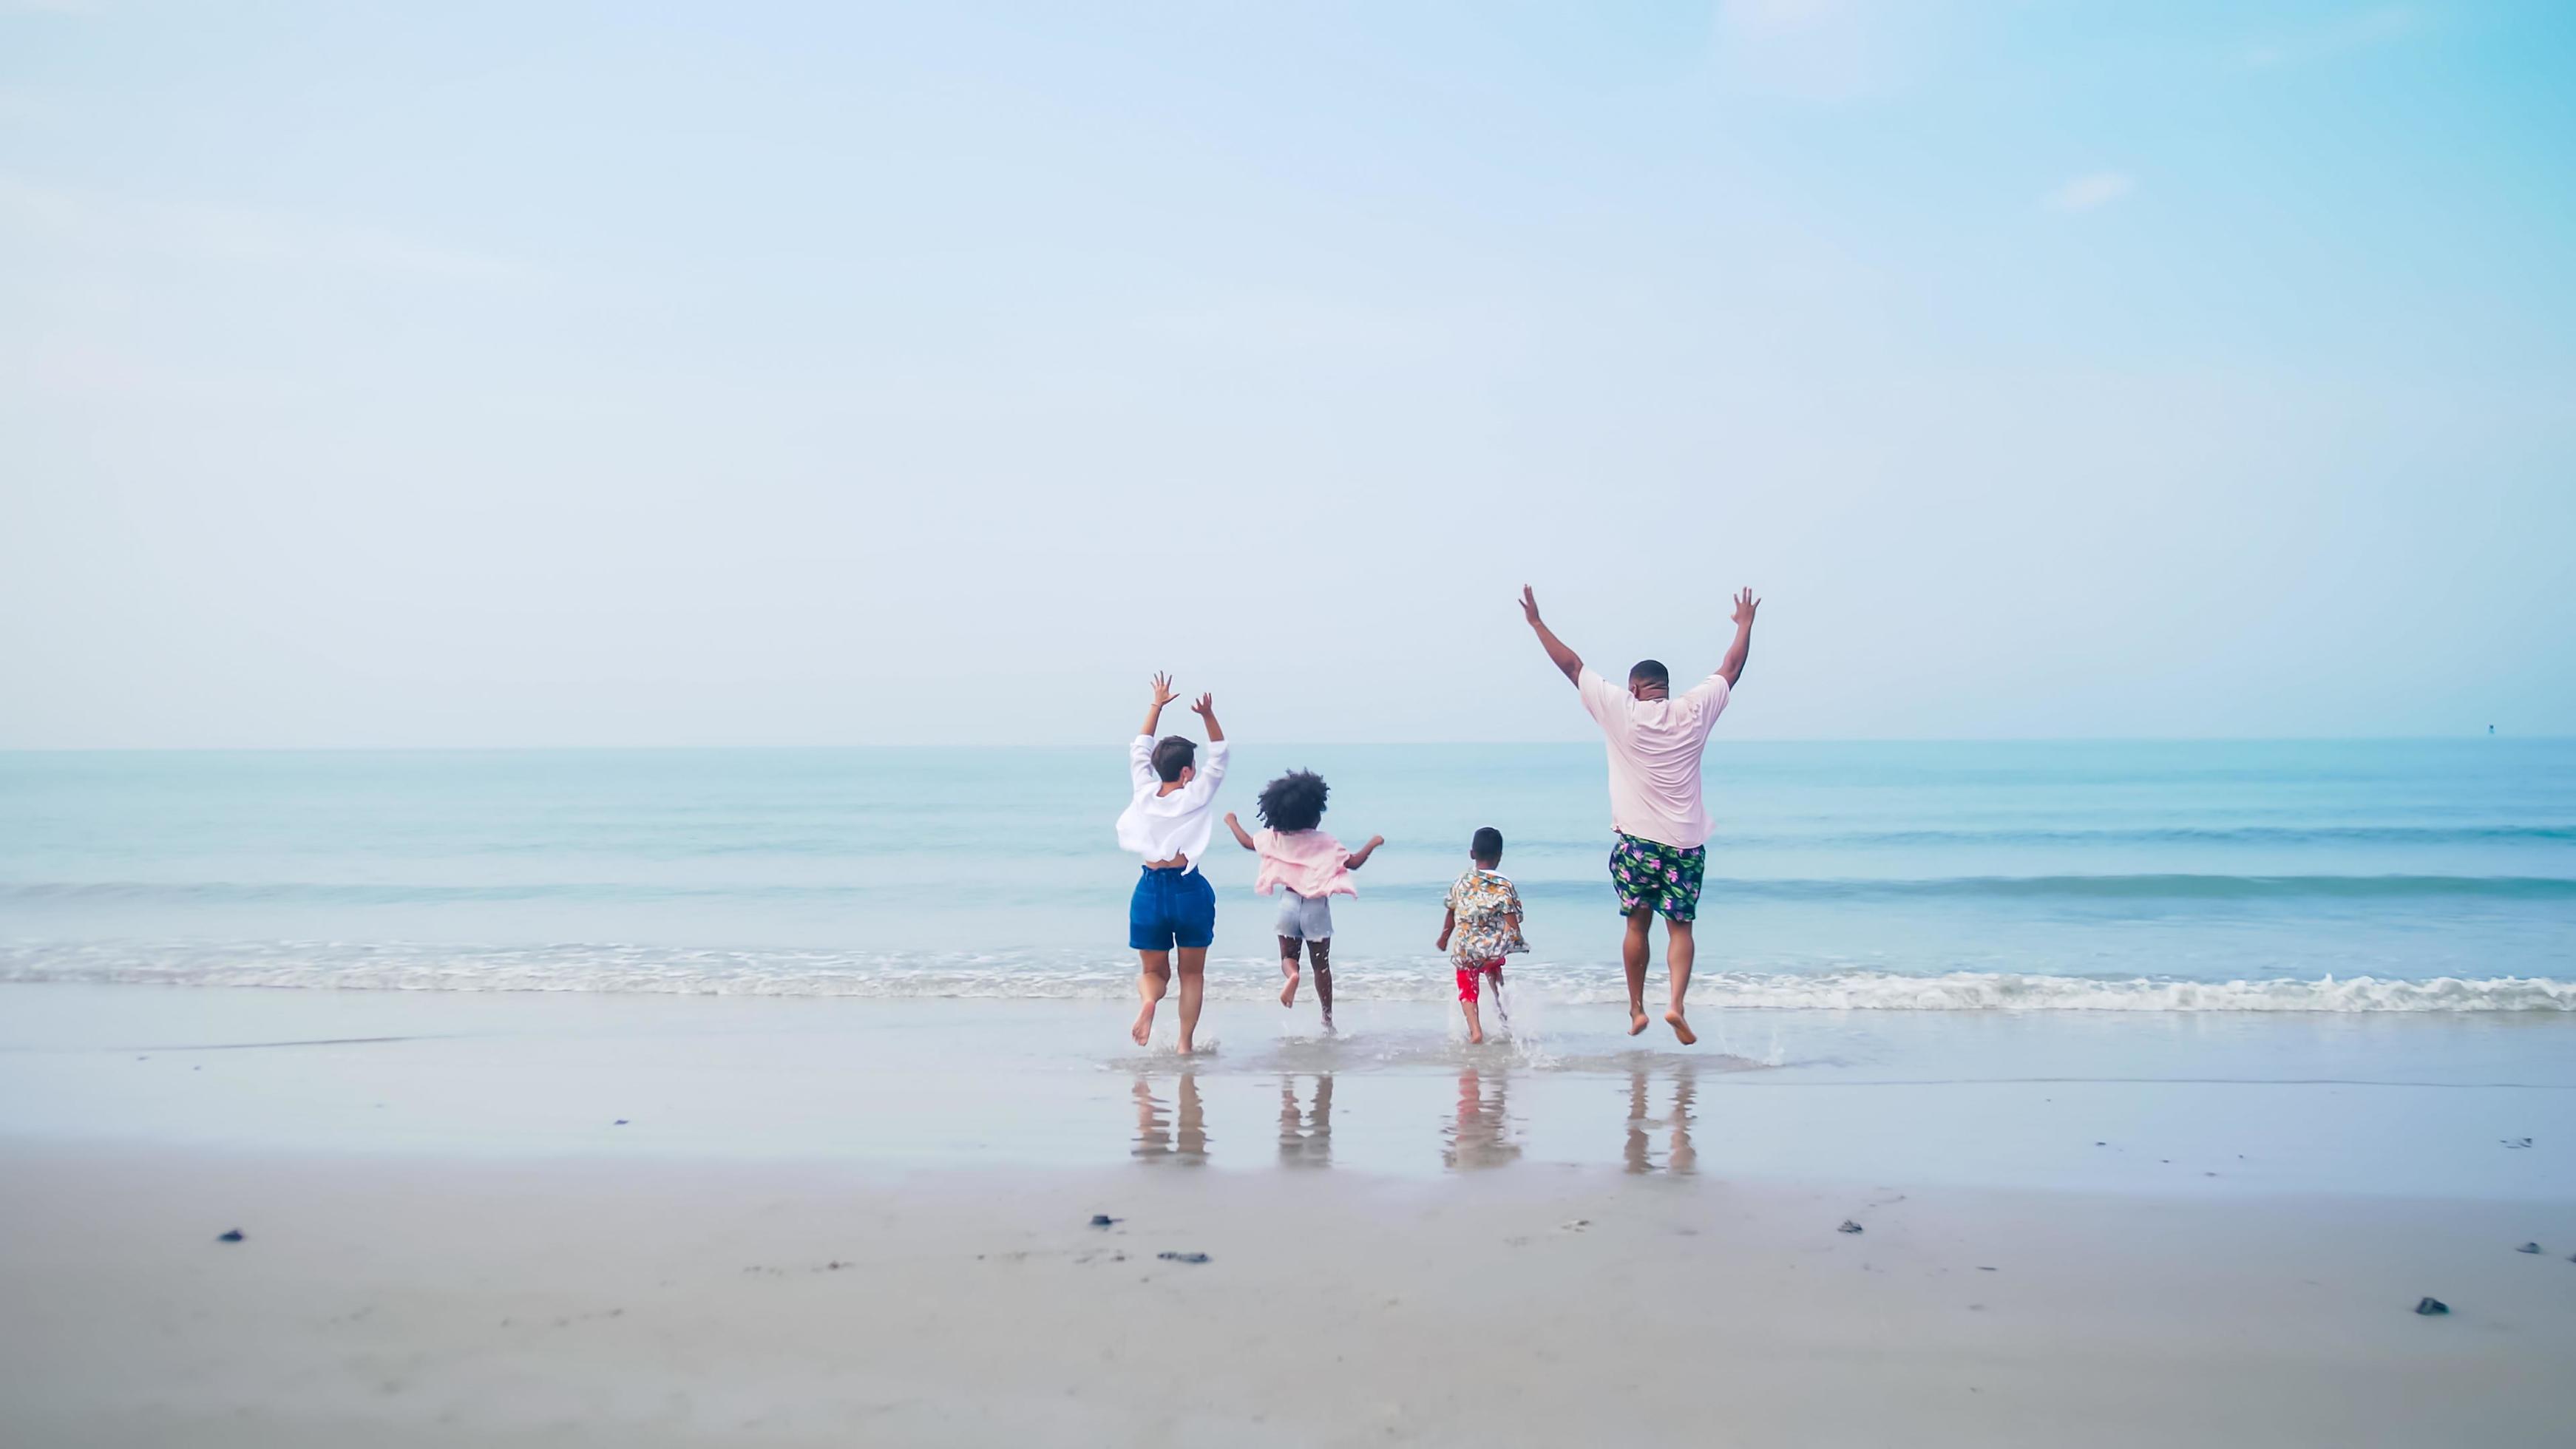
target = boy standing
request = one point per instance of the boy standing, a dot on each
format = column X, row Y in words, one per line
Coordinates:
column 1662, row 825
column 1168, row 822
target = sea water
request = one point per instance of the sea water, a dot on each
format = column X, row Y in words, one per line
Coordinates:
column 2188, row 876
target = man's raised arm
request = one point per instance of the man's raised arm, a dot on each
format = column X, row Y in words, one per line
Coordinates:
column 1733, row 665
column 1557, row 654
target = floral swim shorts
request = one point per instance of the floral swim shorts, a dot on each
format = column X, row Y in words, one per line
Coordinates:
column 1653, row 876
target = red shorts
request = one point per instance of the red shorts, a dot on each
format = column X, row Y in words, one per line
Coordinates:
column 1467, row 972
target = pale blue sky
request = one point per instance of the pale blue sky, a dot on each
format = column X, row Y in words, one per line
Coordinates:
column 477, row 374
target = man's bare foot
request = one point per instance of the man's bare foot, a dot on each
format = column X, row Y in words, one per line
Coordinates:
column 1681, row 1027
column 1288, row 993
column 1636, row 1021
column 1144, row 1032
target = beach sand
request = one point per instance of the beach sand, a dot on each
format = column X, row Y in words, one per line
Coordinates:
column 1401, row 1248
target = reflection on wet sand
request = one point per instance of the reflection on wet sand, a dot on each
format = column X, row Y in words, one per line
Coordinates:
column 1306, row 1138
column 1165, row 1138
column 1481, row 1134
column 1681, row 1158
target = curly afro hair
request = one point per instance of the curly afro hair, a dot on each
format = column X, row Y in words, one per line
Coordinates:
column 1294, row 801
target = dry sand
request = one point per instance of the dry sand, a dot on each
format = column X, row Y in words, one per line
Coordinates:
column 403, row 1300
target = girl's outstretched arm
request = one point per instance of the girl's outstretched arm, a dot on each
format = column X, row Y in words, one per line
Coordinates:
column 1360, row 856
column 1242, row 837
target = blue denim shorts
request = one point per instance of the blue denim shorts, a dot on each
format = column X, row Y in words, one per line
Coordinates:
column 1171, row 906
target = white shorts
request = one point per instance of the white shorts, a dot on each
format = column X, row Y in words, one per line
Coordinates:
column 1304, row 918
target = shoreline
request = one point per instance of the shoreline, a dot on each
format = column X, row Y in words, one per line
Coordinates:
column 559, row 1219
column 404, row 1299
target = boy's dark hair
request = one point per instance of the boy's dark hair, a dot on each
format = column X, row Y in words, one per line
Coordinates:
column 1650, row 671
column 1172, row 755
column 1487, row 847
column 1294, row 801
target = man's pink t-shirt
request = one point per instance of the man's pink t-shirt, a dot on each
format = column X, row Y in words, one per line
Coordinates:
column 1655, row 746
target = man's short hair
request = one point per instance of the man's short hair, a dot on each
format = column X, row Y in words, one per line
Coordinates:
column 1172, row 755
column 1487, row 846
column 1649, row 671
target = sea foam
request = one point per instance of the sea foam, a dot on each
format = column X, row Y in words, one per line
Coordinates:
column 1092, row 976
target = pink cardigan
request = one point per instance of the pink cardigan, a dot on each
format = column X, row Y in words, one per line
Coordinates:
column 1308, row 862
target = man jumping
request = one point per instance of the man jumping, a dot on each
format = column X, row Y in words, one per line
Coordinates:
column 1655, row 742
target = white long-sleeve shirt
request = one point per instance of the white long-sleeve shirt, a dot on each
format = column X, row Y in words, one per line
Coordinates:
column 1159, row 827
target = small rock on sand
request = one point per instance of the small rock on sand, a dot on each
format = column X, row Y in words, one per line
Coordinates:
column 2432, row 1307
column 1102, row 1220
column 232, row 1235
column 1183, row 1257
column 2528, row 1248
column 1848, row 1227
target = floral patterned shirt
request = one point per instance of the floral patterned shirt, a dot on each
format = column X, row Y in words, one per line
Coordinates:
column 1485, row 902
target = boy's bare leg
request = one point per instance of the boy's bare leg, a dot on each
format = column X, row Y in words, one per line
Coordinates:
column 1193, row 989
column 1632, row 954
column 1678, row 951
column 1494, row 979
column 1321, row 953
column 1288, row 968
column 1475, row 1028
column 1153, row 978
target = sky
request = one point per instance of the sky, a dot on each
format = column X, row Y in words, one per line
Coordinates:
column 623, row 374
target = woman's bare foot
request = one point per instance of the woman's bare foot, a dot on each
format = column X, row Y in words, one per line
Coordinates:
column 1681, row 1027
column 1144, row 1032
column 1636, row 1021
column 1288, row 993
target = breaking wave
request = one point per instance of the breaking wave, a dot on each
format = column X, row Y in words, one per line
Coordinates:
column 1077, row 976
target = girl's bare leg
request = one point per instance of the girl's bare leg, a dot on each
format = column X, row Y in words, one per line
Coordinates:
column 1193, row 990
column 1153, row 978
column 1321, row 953
column 1288, row 968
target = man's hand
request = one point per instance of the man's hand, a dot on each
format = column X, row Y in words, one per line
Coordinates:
column 1732, row 666
column 1566, row 660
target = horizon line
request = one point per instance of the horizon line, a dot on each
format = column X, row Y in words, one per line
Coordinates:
column 427, row 749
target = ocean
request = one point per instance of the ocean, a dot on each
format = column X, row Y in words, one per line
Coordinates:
column 2182, row 876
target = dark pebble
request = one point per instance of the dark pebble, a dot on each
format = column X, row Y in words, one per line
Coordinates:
column 232, row 1236
column 2431, row 1307
column 1184, row 1257
column 1102, row 1220
column 1848, row 1227
column 2528, row 1248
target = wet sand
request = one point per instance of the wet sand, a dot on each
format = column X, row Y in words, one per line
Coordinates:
column 409, row 1301
column 589, row 1220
